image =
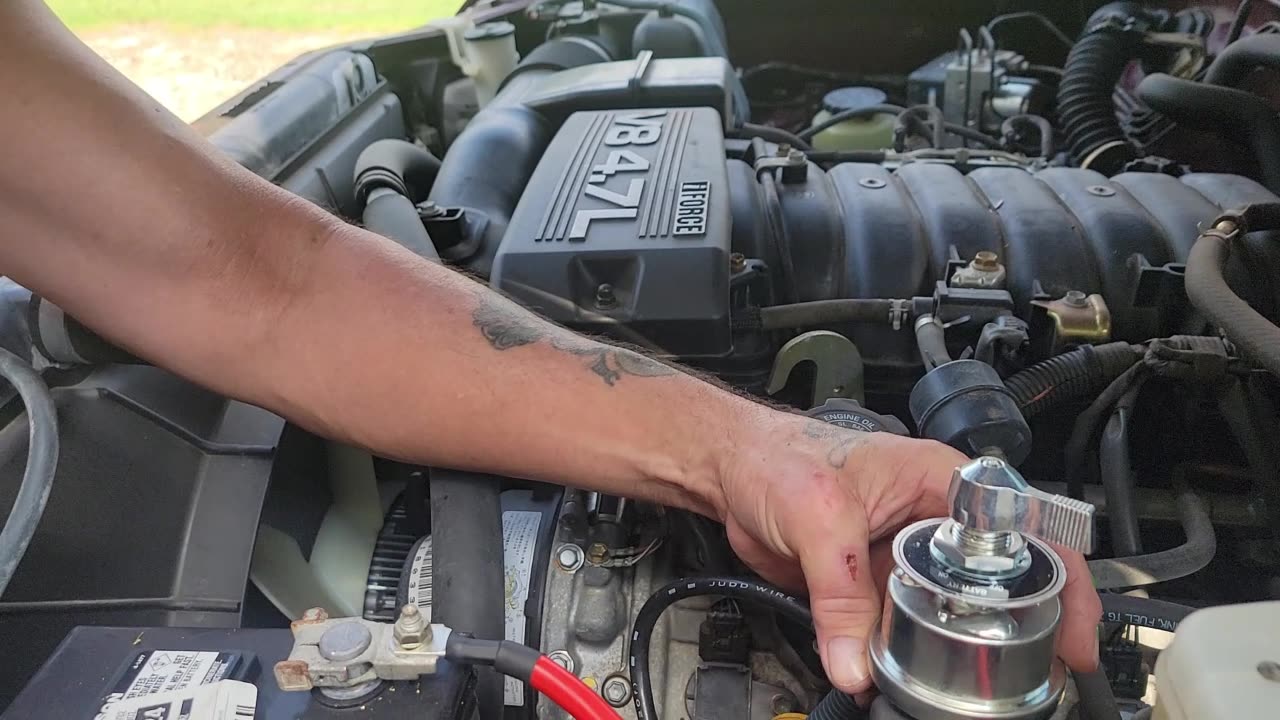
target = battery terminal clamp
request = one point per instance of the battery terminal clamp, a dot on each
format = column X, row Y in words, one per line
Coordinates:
column 972, row 608
column 348, row 660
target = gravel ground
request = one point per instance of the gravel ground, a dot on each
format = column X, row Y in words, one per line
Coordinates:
column 191, row 71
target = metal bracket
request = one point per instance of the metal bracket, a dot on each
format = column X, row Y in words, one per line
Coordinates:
column 837, row 360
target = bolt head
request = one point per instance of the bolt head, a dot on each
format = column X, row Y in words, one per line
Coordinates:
column 561, row 658
column 597, row 553
column 411, row 629
column 1075, row 298
column 616, row 691
column 986, row 261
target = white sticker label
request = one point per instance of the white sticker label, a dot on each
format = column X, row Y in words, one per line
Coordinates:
column 223, row 700
column 519, row 542
column 169, row 670
column 419, row 592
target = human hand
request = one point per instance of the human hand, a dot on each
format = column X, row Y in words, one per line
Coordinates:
column 809, row 504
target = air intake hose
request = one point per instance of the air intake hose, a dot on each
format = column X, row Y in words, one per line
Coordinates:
column 1111, row 38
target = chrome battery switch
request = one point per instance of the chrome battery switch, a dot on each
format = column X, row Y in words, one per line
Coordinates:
column 972, row 608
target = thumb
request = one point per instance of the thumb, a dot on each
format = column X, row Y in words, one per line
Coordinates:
column 843, row 596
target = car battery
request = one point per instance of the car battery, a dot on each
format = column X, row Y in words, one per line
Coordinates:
column 122, row 673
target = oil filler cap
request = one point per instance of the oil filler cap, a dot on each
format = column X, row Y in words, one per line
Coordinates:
column 846, row 413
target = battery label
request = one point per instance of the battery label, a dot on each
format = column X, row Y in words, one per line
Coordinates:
column 224, row 700
column 151, row 672
column 520, row 542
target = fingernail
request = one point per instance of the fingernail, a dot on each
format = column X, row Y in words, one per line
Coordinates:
column 847, row 663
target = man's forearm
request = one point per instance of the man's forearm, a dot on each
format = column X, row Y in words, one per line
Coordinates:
column 140, row 229
column 468, row 379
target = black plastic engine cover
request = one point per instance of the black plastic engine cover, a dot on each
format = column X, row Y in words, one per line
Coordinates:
column 635, row 200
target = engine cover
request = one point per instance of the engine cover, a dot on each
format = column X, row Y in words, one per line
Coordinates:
column 626, row 223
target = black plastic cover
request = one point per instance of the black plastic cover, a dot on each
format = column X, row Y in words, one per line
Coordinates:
column 626, row 220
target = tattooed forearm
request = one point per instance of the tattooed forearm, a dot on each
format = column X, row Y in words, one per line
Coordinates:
column 506, row 327
column 841, row 441
column 503, row 327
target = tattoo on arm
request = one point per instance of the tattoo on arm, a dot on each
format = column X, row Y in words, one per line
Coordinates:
column 507, row 327
column 841, row 441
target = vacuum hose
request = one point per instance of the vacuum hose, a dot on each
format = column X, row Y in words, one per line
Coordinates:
column 42, row 461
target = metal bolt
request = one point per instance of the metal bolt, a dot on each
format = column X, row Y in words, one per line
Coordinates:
column 737, row 262
column 1270, row 670
column 871, row 183
column 597, row 553
column 561, row 658
column 1100, row 190
column 569, row 557
column 345, row 641
column 796, row 157
column 605, row 297
column 986, row 261
column 411, row 629
column 616, row 691
column 1075, row 298
column 784, row 150
column 780, row 704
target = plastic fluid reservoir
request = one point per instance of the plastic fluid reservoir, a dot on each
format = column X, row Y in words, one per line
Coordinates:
column 870, row 133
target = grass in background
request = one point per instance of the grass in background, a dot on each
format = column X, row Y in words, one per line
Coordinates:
column 302, row 15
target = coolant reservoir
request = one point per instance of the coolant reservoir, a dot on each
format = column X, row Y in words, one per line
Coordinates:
column 1224, row 663
column 871, row 133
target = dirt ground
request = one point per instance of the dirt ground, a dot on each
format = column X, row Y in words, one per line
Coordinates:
column 191, row 71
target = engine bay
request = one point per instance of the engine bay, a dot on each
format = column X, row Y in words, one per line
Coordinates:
column 1045, row 235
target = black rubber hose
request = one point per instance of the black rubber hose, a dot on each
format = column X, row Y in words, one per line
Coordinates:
column 62, row 339
column 932, row 117
column 1116, row 469
column 1186, row 559
column 398, row 165
column 392, row 215
column 836, row 705
column 1239, row 22
column 1043, row 131
column 1086, row 112
column 647, row 619
column 1144, row 612
column 1075, row 453
column 772, row 134
column 846, row 115
column 1225, row 111
column 42, row 463
column 777, row 226
column 826, row 312
column 1243, row 57
column 467, row 566
column 931, row 341
column 1097, row 701
column 1070, row 377
column 1254, row 336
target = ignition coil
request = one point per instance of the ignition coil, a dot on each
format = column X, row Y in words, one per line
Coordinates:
column 972, row 609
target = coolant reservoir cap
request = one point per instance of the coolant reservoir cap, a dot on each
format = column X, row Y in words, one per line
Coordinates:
column 852, row 98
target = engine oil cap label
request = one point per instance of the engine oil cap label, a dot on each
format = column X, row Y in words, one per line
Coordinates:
column 151, row 672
